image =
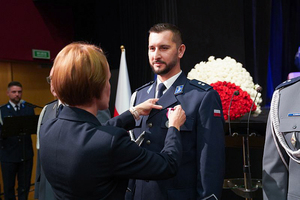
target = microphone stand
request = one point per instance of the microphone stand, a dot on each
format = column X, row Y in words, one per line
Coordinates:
column 248, row 192
column 246, row 155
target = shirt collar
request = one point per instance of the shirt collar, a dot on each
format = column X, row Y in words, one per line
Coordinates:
column 14, row 105
column 168, row 83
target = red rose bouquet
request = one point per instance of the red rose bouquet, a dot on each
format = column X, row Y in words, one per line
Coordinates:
column 227, row 76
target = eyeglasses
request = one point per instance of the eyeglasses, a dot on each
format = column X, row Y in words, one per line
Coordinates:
column 48, row 78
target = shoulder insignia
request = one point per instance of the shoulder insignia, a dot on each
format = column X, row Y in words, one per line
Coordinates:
column 147, row 84
column 288, row 83
column 200, row 84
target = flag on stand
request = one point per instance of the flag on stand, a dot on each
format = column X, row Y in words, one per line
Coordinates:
column 123, row 89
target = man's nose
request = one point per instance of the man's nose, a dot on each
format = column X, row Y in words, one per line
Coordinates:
column 157, row 54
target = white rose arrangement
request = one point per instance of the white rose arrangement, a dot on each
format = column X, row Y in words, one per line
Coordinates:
column 226, row 76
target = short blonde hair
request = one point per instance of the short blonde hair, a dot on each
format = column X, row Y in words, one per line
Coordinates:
column 80, row 72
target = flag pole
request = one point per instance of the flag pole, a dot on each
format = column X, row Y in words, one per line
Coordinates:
column 122, row 48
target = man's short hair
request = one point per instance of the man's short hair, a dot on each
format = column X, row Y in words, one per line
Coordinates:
column 14, row 83
column 80, row 72
column 158, row 28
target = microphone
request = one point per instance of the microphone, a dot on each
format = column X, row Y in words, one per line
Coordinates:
column 29, row 104
column 258, row 90
column 235, row 93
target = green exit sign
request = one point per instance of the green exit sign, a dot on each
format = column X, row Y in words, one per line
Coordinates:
column 40, row 54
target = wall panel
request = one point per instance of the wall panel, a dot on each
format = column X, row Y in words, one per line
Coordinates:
column 5, row 77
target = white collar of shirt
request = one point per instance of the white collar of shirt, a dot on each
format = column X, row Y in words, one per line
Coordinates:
column 59, row 102
column 168, row 83
column 14, row 105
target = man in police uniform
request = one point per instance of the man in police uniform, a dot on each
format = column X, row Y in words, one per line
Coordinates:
column 16, row 153
column 200, row 175
column 281, row 159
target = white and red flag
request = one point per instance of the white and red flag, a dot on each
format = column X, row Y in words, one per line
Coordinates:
column 123, row 95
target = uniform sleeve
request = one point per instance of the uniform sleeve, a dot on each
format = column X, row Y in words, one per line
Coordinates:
column 210, row 147
column 275, row 174
column 125, row 120
column 39, row 126
column 140, row 163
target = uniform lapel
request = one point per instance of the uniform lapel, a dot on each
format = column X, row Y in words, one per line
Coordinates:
column 150, row 93
column 11, row 110
column 169, row 98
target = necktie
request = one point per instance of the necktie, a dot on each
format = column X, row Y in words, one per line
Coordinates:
column 161, row 88
column 17, row 109
column 59, row 109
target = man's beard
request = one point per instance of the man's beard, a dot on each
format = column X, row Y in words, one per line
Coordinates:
column 165, row 70
column 16, row 100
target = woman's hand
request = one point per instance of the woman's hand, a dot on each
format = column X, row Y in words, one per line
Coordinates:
column 145, row 107
column 177, row 117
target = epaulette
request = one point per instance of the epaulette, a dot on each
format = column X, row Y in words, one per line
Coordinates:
column 288, row 83
column 51, row 102
column 147, row 84
column 200, row 84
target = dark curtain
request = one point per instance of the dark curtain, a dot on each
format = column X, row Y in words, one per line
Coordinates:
column 284, row 42
column 257, row 30
column 261, row 34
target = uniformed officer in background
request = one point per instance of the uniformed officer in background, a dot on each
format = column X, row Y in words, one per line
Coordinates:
column 200, row 175
column 281, row 158
column 16, row 152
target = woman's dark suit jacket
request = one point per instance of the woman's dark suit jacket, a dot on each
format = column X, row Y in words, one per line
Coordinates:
column 84, row 160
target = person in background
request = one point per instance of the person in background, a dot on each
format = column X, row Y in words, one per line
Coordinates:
column 201, row 171
column 16, row 152
column 43, row 190
column 281, row 157
column 83, row 159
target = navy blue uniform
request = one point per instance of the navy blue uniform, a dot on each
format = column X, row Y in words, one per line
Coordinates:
column 16, row 155
column 43, row 189
column 200, row 174
column 84, row 160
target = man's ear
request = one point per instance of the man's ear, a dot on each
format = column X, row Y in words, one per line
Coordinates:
column 181, row 50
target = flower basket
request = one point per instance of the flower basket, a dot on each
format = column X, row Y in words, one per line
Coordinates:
column 227, row 76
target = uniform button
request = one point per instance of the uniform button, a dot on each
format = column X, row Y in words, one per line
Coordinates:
column 294, row 127
column 22, row 159
column 167, row 124
column 148, row 142
column 150, row 125
column 19, row 140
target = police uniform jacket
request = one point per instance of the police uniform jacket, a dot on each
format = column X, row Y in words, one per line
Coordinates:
column 84, row 160
column 42, row 188
column 201, row 171
column 281, row 159
column 11, row 148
